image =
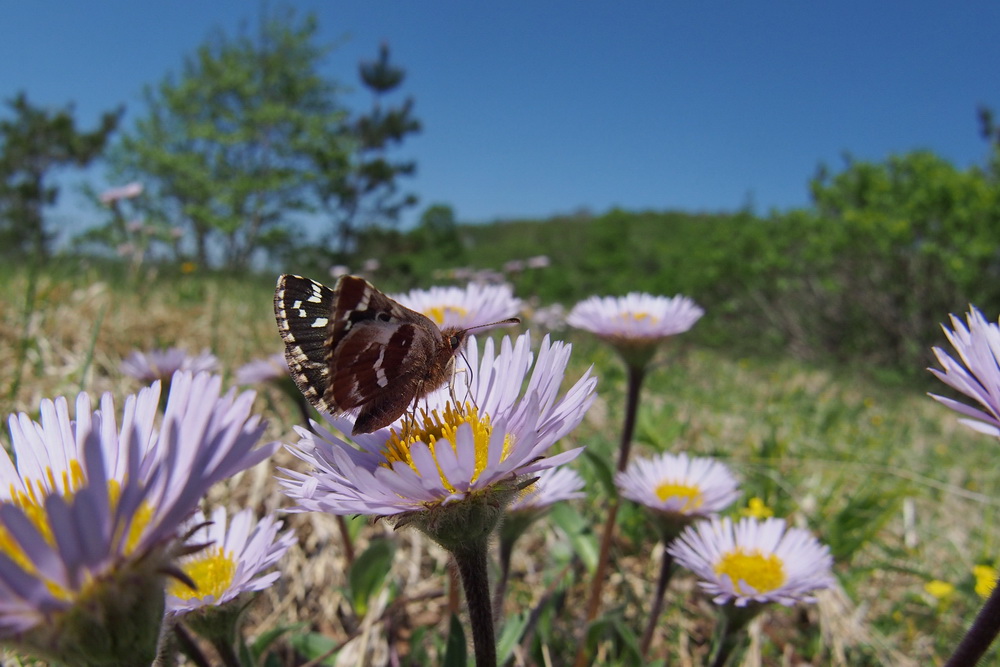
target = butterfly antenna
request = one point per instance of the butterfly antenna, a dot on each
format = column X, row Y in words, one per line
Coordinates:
column 509, row 320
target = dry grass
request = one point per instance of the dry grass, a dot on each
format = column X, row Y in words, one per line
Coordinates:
column 808, row 437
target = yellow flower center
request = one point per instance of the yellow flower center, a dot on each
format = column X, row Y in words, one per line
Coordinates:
column 691, row 495
column 31, row 501
column 639, row 316
column 761, row 572
column 441, row 427
column 438, row 313
column 212, row 570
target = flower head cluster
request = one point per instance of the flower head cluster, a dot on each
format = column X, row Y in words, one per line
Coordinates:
column 754, row 562
column 678, row 489
column 91, row 510
column 475, row 441
column 234, row 561
column 977, row 375
column 162, row 364
column 474, row 305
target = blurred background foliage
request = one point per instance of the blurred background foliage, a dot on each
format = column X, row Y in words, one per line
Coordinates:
column 248, row 162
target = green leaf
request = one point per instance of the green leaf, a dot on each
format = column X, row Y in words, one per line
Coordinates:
column 578, row 531
column 313, row 646
column 368, row 573
column 260, row 645
column 456, row 652
column 510, row 635
column 605, row 475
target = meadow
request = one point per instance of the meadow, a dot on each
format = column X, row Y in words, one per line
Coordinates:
column 881, row 473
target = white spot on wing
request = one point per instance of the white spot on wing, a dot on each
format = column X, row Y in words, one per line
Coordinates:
column 380, row 378
column 320, row 322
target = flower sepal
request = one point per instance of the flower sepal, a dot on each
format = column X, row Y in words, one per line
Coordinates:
column 117, row 622
column 454, row 525
column 671, row 524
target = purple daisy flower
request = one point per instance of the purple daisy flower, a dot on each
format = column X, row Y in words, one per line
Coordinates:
column 754, row 561
column 509, row 415
column 635, row 317
column 162, row 364
column 977, row 375
column 635, row 324
column 552, row 486
column 268, row 369
column 678, row 485
column 91, row 512
column 234, row 561
column 473, row 305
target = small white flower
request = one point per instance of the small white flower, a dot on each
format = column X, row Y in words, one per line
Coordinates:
column 129, row 191
column 678, row 485
column 461, row 308
column 754, row 561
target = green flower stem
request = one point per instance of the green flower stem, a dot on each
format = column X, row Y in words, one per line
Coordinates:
column 471, row 560
column 188, row 646
column 731, row 631
column 636, row 374
column 666, row 570
column 980, row 635
column 506, row 549
column 345, row 536
column 514, row 525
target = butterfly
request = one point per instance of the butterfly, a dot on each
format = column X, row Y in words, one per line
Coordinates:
column 354, row 348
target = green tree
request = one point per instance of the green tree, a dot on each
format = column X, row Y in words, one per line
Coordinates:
column 890, row 249
column 229, row 149
column 34, row 142
column 369, row 192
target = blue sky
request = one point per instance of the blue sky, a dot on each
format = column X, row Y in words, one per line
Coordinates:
column 536, row 108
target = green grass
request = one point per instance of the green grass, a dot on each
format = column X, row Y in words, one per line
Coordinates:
column 882, row 473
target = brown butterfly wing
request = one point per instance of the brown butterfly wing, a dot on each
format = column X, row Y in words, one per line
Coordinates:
column 379, row 367
column 382, row 355
column 304, row 310
column 354, row 348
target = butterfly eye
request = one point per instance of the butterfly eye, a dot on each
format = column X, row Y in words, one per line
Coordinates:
column 455, row 341
column 385, row 317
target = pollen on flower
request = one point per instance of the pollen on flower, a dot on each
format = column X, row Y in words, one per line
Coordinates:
column 31, row 501
column 691, row 494
column 439, row 313
column 436, row 426
column 639, row 316
column 212, row 571
column 761, row 572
